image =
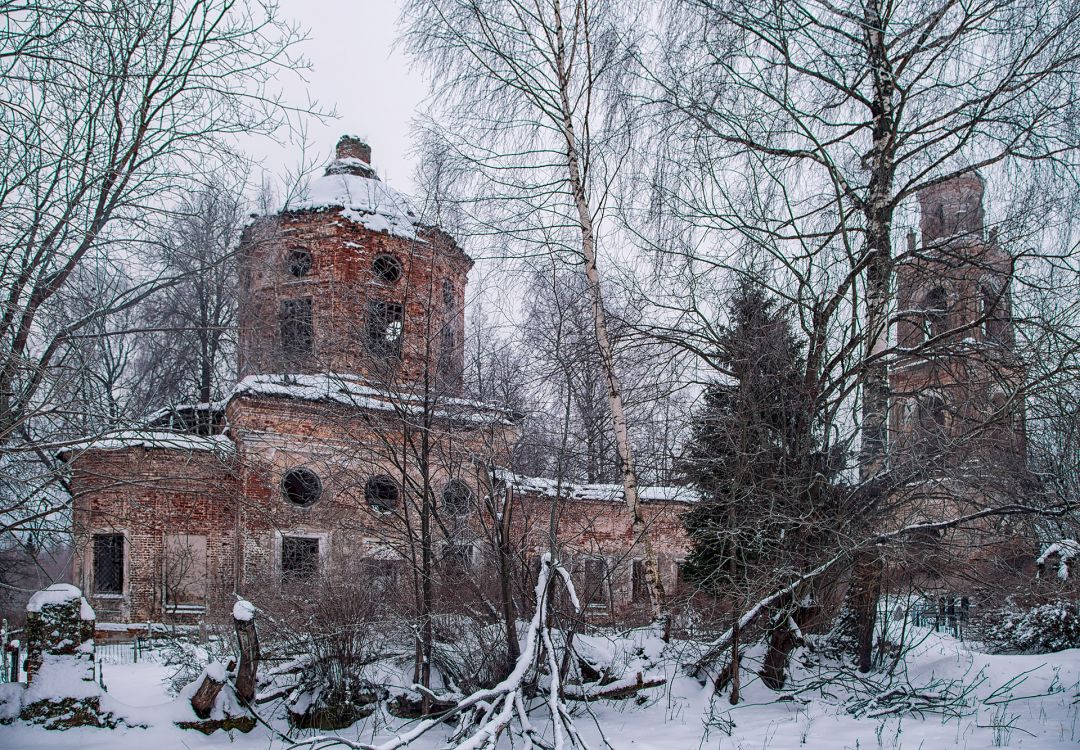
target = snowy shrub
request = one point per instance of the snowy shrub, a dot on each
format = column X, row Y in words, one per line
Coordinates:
column 1037, row 629
column 331, row 634
column 187, row 653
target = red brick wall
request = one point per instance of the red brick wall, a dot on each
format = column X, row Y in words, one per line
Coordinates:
column 341, row 285
column 146, row 494
column 603, row 528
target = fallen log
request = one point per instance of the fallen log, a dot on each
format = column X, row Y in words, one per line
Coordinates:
column 625, row 688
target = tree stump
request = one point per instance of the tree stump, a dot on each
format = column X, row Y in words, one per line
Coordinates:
column 202, row 702
column 248, row 639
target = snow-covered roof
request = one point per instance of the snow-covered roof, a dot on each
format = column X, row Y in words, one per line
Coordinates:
column 602, row 492
column 355, row 391
column 148, row 438
column 363, row 199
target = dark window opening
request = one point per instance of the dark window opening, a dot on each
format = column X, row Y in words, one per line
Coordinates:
column 301, row 487
column 639, row 585
column 387, row 269
column 990, row 306
column 936, row 308
column 385, row 325
column 932, row 413
column 447, row 292
column 456, row 498
column 299, row 558
column 593, row 580
column 299, row 262
column 446, row 351
column 296, row 328
column 108, row 563
column 381, row 493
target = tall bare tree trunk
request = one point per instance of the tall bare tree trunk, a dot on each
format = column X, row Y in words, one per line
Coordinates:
column 592, row 275
column 867, row 570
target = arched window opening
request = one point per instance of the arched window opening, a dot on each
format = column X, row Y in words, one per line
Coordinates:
column 385, row 327
column 448, row 292
column 301, row 487
column 932, row 413
column 387, row 269
column 456, row 498
column 381, row 493
column 936, row 310
column 990, row 311
column 299, row 262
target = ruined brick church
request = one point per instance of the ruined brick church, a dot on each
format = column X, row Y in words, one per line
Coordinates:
column 348, row 416
column 348, row 426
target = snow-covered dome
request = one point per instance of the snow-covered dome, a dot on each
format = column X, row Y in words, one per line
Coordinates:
column 351, row 185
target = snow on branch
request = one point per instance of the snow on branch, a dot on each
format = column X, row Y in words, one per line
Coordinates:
column 486, row 714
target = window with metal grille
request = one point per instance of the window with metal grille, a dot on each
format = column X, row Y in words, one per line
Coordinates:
column 385, row 326
column 108, row 563
column 296, row 328
column 299, row 558
column 387, row 269
column 639, row 585
column 594, row 581
column 299, row 262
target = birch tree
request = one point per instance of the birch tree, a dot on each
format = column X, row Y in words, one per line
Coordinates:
column 521, row 97
column 798, row 134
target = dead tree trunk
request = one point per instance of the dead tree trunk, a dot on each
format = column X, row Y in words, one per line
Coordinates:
column 248, row 638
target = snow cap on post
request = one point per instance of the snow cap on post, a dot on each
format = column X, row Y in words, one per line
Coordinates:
column 243, row 611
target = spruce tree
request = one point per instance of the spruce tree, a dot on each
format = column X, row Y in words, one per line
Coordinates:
column 753, row 454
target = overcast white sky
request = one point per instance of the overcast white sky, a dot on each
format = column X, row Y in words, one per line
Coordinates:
column 357, row 70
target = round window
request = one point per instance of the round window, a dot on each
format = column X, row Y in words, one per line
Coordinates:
column 381, row 493
column 456, row 497
column 299, row 262
column 301, row 487
column 387, row 269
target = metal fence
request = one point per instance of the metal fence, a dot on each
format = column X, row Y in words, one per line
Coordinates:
column 121, row 652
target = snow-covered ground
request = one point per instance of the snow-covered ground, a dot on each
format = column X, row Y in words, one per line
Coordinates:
column 1002, row 701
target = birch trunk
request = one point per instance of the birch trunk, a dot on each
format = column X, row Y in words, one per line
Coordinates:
column 577, row 179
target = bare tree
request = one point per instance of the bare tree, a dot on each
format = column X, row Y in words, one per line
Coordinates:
column 797, row 135
column 520, row 87
column 112, row 111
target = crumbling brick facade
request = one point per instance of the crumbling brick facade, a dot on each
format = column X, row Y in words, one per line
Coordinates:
column 347, row 414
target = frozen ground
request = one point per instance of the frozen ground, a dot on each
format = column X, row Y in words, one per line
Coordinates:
column 1010, row 701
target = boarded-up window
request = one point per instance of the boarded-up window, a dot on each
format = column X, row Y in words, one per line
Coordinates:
column 299, row 558
column 639, row 586
column 185, row 570
column 593, row 582
column 108, row 563
column 296, row 327
column 385, row 326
